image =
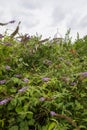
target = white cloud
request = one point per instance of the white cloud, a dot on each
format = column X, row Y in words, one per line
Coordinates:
column 45, row 16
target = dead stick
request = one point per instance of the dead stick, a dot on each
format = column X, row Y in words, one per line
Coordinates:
column 69, row 119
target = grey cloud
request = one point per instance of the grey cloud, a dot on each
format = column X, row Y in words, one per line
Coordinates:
column 58, row 15
column 1, row 14
column 83, row 22
column 66, row 8
column 27, row 17
column 77, row 21
column 31, row 23
column 33, row 4
column 29, row 5
column 45, row 14
column 73, row 21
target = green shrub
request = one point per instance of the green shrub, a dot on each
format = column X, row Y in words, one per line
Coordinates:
column 43, row 86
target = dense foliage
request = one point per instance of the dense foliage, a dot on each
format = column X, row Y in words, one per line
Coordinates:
column 43, row 85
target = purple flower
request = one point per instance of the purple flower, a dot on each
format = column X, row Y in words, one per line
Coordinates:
column 73, row 83
column 42, row 99
column 83, row 74
column 23, row 89
column 18, row 75
column 8, row 67
column 1, row 36
column 5, row 101
column 13, row 21
column 46, row 79
column 52, row 113
column 2, row 81
column 25, row 80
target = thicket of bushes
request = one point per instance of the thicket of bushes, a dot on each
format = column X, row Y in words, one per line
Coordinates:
column 43, row 86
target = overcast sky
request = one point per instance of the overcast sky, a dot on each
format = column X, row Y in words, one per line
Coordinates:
column 45, row 16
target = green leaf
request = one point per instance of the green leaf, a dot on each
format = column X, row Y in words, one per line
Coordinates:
column 31, row 122
column 16, row 80
column 24, row 128
column 83, row 127
column 13, row 90
column 19, row 109
column 52, row 126
column 13, row 128
column 24, row 125
column 2, row 122
column 14, row 102
column 29, row 115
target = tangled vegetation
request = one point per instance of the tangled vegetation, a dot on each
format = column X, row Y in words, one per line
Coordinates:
column 43, row 84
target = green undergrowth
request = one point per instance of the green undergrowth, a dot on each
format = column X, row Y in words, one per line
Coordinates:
column 43, row 86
